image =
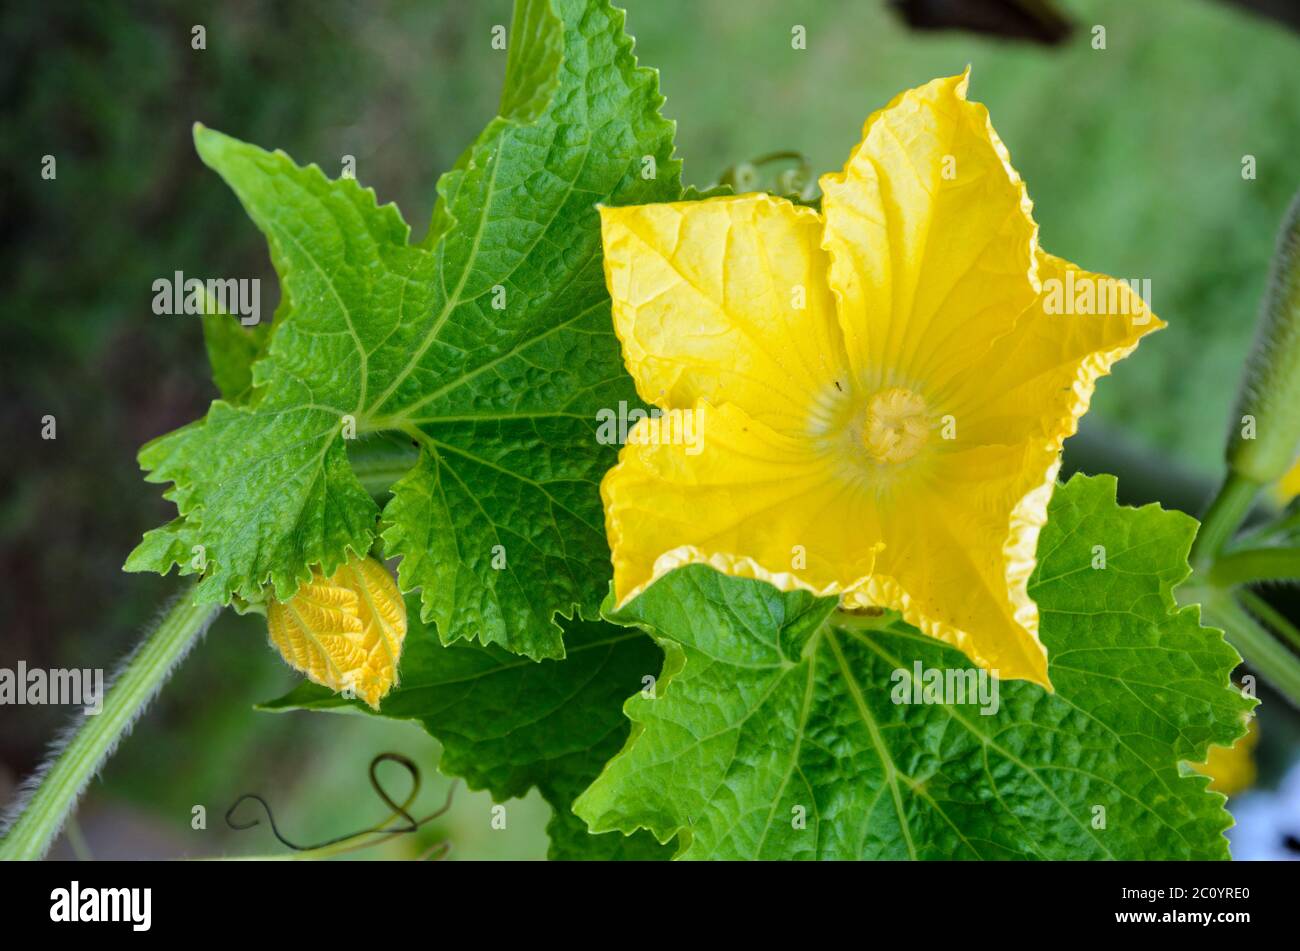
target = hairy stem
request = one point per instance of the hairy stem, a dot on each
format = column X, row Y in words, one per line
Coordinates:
column 1286, row 526
column 56, row 786
column 1271, row 616
column 1224, row 516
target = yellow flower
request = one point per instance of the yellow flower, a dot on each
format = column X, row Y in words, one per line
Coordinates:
column 879, row 391
column 344, row 632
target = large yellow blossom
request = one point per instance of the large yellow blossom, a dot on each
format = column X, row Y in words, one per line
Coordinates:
column 878, row 394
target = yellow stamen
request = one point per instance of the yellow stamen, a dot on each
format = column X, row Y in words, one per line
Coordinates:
column 896, row 427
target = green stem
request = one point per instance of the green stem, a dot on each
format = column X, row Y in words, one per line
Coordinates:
column 1268, row 656
column 1285, row 527
column 1271, row 616
column 62, row 780
column 380, row 459
column 1225, row 515
column 1255, row 564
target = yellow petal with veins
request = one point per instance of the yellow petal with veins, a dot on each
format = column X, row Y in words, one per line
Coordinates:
column 344, row 632
column 755, row 503
column 1040, row 377
column 986, row 491
column 930, row 237
column 726, row 301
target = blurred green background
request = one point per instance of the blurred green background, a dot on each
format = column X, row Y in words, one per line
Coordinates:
column 1133, row 155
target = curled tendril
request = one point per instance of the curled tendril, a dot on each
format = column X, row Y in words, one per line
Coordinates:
column 384, row 827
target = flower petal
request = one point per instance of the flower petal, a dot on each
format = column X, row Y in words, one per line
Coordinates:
column 754, row 503
column 1036, row 382
column 958, row 553
column 930, row 237
column 726, row 300
column 989, row 487
column 344, row 632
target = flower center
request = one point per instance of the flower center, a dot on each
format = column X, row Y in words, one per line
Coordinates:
column 896, row 426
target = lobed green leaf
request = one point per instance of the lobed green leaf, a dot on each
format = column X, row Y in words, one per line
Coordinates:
column 489, row 345
column 776, row 733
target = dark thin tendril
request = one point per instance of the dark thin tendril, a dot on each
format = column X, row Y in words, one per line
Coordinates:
column 383, row 827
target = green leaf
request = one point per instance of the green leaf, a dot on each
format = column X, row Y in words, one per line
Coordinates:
column 232, row 349
column 489, row 345
column 507, row 724
column 774, row 706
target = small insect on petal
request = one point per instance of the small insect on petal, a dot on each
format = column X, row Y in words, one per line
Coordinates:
column 344, row 632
